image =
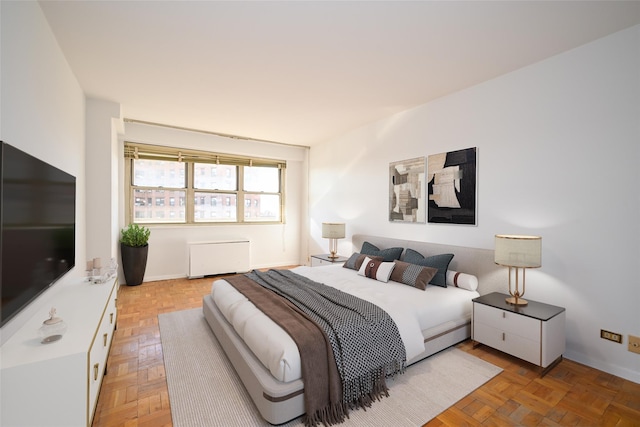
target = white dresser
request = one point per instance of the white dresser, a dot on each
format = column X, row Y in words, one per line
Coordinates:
column 57, row 384
column 534, row 332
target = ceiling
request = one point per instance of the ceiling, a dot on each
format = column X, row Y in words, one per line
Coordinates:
column 301, row 72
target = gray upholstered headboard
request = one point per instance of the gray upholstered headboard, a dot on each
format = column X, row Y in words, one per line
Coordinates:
column 479, row 262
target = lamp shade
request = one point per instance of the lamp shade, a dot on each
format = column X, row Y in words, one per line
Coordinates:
column 333, row 230
column 518, row 251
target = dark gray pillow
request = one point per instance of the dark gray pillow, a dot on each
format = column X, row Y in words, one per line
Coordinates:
column 390, row 254
column 441, row 262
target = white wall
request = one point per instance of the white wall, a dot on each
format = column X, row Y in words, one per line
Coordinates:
column 271, row 244
column 558, row 151
column 43, row 115
column 103, row 122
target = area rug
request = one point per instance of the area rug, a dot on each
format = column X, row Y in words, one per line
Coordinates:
column 204, row 389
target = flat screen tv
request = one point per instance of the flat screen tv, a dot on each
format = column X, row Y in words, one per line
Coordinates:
column 37, row 217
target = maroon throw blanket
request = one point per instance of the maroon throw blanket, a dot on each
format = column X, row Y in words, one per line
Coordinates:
column 322, row 384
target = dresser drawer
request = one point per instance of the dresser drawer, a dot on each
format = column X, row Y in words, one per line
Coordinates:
column 508, row 322
column 95, row 370
column 99, row 351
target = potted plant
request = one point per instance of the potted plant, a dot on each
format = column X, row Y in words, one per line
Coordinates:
column 134, row 248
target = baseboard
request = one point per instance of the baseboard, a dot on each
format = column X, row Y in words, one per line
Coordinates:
column 601, row 365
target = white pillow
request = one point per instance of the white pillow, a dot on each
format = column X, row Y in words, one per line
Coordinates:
column 462, row 280
column 376, row 269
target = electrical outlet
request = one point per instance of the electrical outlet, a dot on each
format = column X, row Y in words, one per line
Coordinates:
column 611, row 336
column 634, row 344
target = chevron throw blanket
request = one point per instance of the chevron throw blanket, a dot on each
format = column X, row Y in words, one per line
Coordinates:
column 366, row 344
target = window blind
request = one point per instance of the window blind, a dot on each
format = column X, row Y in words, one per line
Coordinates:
column 134, row 150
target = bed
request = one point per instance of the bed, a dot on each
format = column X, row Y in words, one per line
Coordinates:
column 429, row 320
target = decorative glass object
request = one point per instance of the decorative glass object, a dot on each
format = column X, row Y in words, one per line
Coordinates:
column 113, row 268
column 97, row 270
column 89, row 271
column 53, row 328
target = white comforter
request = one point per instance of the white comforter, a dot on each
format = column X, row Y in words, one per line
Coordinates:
column 411, row 309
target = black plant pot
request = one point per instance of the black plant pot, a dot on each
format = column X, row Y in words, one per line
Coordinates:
column 134, row 263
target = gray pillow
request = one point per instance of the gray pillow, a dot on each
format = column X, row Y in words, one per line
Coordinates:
column 441, row 262
column 390, row 254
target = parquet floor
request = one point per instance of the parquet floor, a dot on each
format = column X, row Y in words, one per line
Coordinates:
column 134, row 391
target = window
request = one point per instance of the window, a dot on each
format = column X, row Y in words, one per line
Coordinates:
column 152, row 191
column 261, row 186
column 169, row 185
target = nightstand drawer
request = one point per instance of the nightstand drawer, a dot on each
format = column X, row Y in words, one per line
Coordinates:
column 325, row 259
column 508, row 342
column 506, row 321
column 316, row 262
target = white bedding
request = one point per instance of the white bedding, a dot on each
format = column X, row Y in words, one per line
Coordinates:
column 413, row 311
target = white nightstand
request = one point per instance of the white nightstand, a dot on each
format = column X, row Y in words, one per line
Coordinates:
column 323, row 259
column 534, row 332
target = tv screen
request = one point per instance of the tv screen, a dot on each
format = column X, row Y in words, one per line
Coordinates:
column 37, row 217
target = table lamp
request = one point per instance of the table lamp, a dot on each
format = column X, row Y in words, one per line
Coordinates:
column 333, row 231
column 518, row 252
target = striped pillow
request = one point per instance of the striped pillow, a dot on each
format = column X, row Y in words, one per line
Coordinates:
column 355, row 260
column 461, row 280
column 376, row 269
column 441, row 262
column 412, row 274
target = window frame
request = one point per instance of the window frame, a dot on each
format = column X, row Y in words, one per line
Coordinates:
column 135, row 151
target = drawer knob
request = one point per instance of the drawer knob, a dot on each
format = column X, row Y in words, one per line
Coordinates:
column 111, row 318
column 504, row 315
column 105, row 339
column 95, row 371
column 503, row 336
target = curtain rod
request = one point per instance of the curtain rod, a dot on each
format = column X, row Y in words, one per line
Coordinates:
column 225, row 135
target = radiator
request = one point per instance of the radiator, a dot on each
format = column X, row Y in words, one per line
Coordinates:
column 218, row 257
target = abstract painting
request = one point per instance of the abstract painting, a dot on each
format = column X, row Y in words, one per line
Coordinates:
column 451, row 187
column 406, row 191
